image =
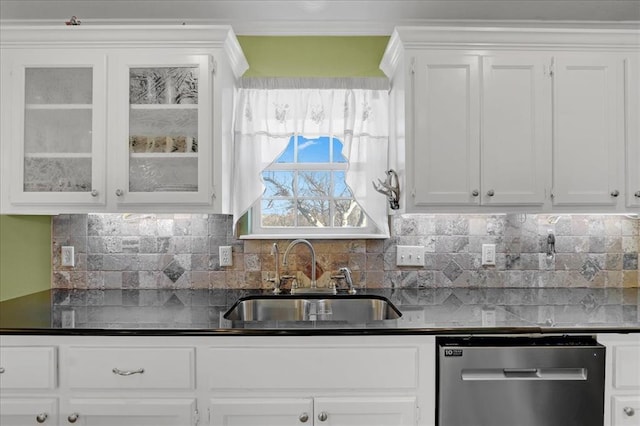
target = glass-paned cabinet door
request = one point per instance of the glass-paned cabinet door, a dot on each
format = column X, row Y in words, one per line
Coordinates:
column 59, row 117
column 166, row 132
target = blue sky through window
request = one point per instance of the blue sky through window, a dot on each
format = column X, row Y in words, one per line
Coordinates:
column 313, row 150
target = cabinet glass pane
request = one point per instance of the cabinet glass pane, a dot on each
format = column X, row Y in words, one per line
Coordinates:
column 58, row 129
column 59, row 85
column 163, row 129
column 163, row 174
column 57, row 174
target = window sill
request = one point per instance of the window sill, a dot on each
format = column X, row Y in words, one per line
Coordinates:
column 313, row 237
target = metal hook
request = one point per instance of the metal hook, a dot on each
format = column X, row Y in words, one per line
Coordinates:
column 391, row 188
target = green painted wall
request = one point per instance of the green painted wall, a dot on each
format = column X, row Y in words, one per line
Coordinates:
column 25, row 255
column 313, row 56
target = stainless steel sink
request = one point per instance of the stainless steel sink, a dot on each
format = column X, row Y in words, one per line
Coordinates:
column 345, row 308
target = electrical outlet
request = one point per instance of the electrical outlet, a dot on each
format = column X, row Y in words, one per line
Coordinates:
column 410, row 256
column 67, row 255
column 226, row 258
column 488, row 317
column 488, row 255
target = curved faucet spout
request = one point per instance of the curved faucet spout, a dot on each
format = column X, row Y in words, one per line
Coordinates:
column 313, row 258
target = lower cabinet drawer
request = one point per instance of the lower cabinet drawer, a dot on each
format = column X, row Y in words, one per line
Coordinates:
column 28, row 411
column 130, row 367
column 28, row 367
column 625, row 410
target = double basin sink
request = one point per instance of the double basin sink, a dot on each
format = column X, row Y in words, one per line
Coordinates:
column 343, row 308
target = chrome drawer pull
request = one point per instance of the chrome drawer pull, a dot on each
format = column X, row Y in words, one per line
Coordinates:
column 73, row 417
column 42, row 417
column 629, row 411
column 1, row 370
column 303, row 417
column 127, row 372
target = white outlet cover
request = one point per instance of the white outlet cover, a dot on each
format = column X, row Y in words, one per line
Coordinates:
column 488, row 254
column 67, row 256
column 226, row 256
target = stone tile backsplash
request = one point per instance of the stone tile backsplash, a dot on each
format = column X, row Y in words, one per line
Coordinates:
column 180, row 251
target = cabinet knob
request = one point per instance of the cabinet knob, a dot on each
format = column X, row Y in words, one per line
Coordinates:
column 475, row 192
column 322, row 416
column 1, row 370
column 119, row 192
column 41, row 418
column 637, row 194
column 615, row 193
column 629, row 411
column 73, row 417
column 94, row 193
column 491, row 193
column 303, row 417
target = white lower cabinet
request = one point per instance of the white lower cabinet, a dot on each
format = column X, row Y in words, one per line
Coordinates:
column 28, row 411
column 622, row 376
column 129, row 411
column 329, row 411
column 218, row 380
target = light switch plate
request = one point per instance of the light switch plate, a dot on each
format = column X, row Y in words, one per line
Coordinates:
column 488, row 254
column 410, row 256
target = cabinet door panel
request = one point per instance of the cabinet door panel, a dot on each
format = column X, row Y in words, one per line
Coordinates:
column 370, row 411
column 28, row 411
column 632, row 135
column 130, row 411
column 587, row 93
column 59, row 116
column 261, row 411
column 516, row 132
column 163, row 138
column 445, row 160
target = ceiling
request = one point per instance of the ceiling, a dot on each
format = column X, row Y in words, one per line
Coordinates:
column 259, row 17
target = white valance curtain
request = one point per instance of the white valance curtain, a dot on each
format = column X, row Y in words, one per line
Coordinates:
column 267, row 115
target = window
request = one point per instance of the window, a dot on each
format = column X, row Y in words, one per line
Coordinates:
column 306, row 188
column 304, row 160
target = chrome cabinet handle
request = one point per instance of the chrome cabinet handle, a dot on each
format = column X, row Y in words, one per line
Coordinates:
column 127, row 372
column 615, row 193
column 1, row 370
column 637, row 194
column 303, row 417
column 94, row 193
column 119, row 192
column 41, row 418
column 322, row 416
column 73, row 417
column 475, row 192
column 629, row 411
column 491, row 193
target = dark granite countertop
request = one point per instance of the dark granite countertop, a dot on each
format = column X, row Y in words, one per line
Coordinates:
column 426, row 311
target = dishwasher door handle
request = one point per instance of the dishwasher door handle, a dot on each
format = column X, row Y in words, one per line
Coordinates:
column 524, row 374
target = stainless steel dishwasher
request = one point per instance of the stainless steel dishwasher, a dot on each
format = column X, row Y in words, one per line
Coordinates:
column 520, row 381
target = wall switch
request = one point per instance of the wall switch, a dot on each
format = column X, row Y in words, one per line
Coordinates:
column 488, row 317
column 489, row 255
column 410, row 256
column 226, row 258
column 67, row 256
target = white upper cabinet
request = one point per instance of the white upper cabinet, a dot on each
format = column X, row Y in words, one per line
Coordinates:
column 588, row 117
column 56, row 139
column 516, row 119
column 117, row 118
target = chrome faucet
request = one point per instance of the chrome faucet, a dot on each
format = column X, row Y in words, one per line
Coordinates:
column 314, row 283
column 345, row 274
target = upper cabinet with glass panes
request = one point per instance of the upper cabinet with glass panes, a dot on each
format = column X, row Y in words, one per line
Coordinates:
column 116, row 118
